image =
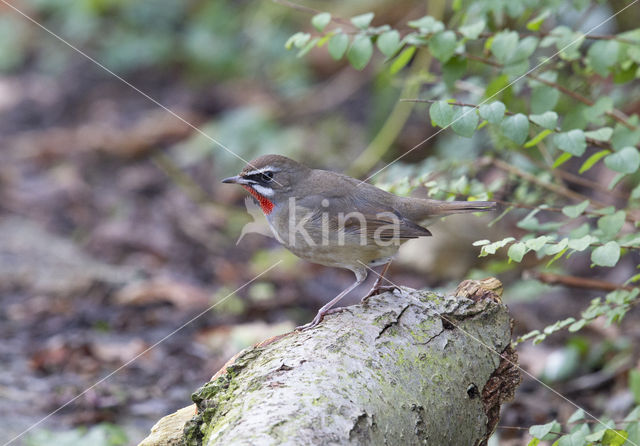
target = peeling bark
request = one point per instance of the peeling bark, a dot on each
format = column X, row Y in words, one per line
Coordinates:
column 408, row 367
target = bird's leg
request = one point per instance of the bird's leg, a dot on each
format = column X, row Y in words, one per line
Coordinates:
column 377, row 288
column 326, row 309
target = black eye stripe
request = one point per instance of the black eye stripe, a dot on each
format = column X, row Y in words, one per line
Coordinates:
column 263, row 177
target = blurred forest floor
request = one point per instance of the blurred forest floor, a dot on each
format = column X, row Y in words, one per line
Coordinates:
column 115, row 232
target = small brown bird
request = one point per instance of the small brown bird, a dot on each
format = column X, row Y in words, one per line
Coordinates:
column 335, row 220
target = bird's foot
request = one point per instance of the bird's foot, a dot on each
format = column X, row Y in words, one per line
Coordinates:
column 319, row 317
column 378, row 290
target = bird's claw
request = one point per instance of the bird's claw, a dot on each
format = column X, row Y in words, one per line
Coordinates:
column 378, row 290
column 319, row 317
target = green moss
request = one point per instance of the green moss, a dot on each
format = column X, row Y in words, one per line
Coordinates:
column 211, row 399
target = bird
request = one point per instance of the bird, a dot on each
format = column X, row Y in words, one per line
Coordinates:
column 335, row 220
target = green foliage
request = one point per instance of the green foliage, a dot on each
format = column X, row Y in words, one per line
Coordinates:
column 360, row 52
column 578, row 431
column 492, row 112
column 516, row 128
column 573, row 142
column 546, row 127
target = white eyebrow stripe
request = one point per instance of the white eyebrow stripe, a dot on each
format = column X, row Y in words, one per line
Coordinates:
column 264, row 191
column 262, row 170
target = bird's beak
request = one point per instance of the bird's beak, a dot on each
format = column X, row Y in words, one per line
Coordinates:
column 237, row 180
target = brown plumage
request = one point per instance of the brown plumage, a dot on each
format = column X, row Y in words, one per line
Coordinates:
column 335, row 220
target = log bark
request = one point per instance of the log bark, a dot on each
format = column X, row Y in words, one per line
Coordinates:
column 408, row 367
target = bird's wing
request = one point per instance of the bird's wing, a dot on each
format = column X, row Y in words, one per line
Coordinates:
column 355, row 215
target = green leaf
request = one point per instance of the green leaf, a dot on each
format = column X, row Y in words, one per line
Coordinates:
column 555, row 248
column 498, row 87
column 582, row 243
column 561, row 159
column 623, row 137
column 535, row 23
column 492, row 112
column 362, row 21
column 526, row 47
column 441, row 113
column 493, row 247
column 543, row 98
column 427, row 25
column 610, row 225
column 602, row 55
column 626, row 160
column 453, row 70
column 516, row 128
column 402, row 60
column 536, row 244
column 606, row 255
column 517, row 251
column 338, row 45
column 538, row 138
column 577, row 326
column 589, row 163
column 548, row 119
column 298, row 40
column 542, row 430
column 572, row 141
column 614, row 437
column 602, row 134
column 575, row 210
column 320, row 21
column 577, row 416
column 568, row 42
column 473, row 30
column 634, row 384
column 308, row 47
column 594, row 113
column 443, row 45
column 360, row 52
column 605, row 211
column 465, row 121
column 389, row 42
column 504, row 45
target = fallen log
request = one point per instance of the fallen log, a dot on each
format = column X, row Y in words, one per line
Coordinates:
column 408, row 367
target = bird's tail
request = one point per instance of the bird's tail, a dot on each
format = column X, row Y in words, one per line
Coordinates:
column 462, row 207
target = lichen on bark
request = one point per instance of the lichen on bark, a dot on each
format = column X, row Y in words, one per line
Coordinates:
column 408, row 367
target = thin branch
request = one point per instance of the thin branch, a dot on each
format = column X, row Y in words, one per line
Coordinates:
column 559, row 190
column 574, row 281
column 582, row 181
column 615, row 114
column 313, row 11
column 588, row 36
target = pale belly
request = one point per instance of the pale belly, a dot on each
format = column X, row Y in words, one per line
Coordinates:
column 331, row 248
column 345, row 256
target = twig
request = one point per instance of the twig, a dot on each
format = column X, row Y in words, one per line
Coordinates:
column 614, row 114
column 588, row 36
column 577, row 179
column 313, row 11
column 575, row 282
column 560, row 190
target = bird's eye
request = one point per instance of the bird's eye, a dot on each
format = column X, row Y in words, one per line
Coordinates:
column 266, row 177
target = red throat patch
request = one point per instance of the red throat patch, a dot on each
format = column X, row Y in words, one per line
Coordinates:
column 265, row 203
